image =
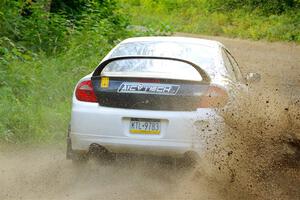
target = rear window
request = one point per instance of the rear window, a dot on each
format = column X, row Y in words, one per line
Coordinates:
column 151, row 68
column 202, row 55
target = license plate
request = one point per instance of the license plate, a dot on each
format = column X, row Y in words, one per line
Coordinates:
column 145, row 126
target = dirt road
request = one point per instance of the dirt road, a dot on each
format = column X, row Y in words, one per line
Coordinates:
column 263, row 162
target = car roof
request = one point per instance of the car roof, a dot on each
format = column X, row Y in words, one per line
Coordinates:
column 205, row 42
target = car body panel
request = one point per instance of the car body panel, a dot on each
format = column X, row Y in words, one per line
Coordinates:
column 109, row 127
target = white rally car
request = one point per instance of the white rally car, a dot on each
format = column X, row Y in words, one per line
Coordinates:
column 153, row 95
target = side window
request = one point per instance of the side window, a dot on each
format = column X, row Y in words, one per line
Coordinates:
column 235, row 67
column 228, row 65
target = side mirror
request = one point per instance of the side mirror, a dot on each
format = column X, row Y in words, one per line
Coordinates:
column 253, row 77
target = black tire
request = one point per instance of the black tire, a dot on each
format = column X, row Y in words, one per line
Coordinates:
column 102, row 155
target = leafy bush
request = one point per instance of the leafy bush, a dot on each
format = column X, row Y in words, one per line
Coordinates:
column 37, row 31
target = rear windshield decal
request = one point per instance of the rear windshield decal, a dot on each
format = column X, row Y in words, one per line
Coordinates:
column 148, row 88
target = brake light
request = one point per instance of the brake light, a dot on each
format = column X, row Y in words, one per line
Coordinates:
column 215, row 97
column 85, row 92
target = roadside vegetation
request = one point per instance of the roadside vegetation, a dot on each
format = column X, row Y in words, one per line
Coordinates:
column 255, row 19
column 47, row 45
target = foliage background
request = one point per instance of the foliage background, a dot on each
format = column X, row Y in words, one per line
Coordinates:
column 47, row 45
column 255, row 19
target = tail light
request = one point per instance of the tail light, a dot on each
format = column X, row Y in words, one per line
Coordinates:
column 215, row 97
column 85, row 92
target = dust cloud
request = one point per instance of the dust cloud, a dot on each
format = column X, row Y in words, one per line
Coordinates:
column 258, row 158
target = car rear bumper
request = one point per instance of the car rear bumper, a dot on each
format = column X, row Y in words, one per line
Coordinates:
column 109, row 127
column 129, row 145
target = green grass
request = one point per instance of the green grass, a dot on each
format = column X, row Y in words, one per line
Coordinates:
column 36, row 95
column 196, row 17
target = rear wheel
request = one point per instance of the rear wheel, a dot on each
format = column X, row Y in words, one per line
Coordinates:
column 101, row 154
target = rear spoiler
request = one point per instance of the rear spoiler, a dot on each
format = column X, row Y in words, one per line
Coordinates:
column 98, row 70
